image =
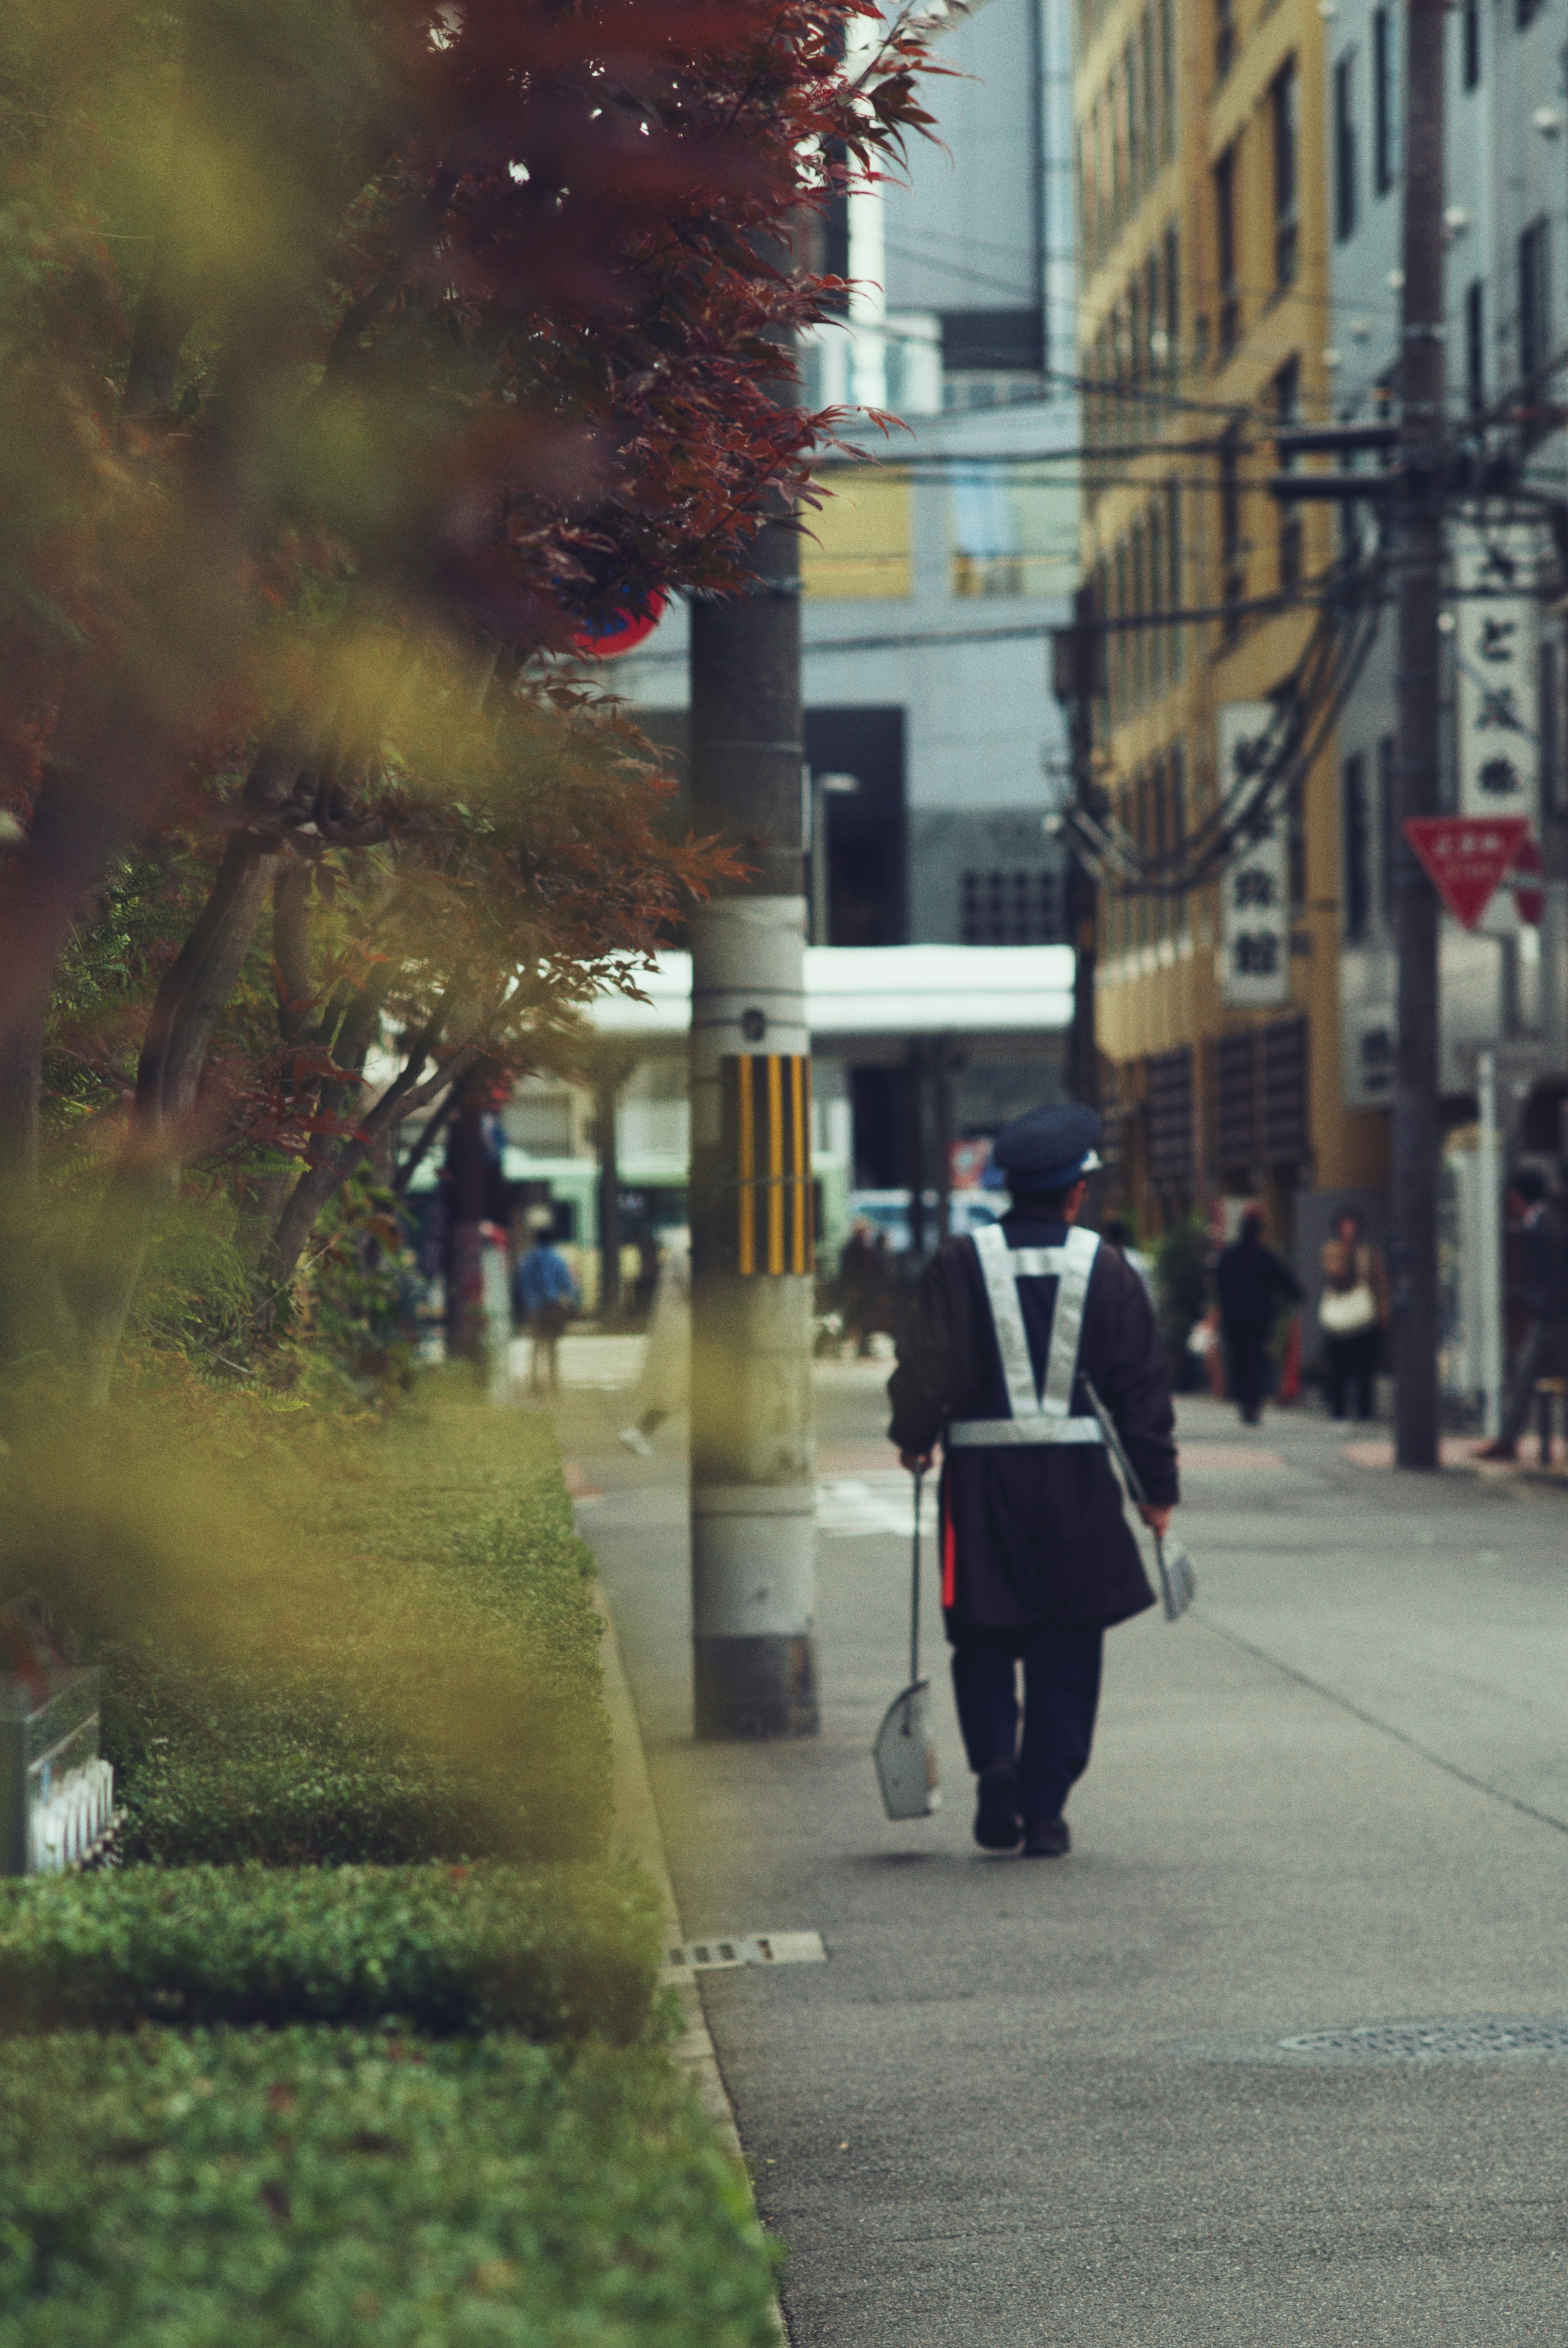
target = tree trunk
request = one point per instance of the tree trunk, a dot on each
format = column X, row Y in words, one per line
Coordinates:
column 146, row 1183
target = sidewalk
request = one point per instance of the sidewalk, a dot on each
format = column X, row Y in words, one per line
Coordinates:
column 1335, row 1794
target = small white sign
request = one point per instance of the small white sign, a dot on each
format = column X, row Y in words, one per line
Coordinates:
column 1254, row 886
column 1496, row 641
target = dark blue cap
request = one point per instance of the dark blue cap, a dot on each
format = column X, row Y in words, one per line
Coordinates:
column 1048, row 1149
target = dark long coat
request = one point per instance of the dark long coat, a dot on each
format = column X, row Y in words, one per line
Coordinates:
column 1035, row 1533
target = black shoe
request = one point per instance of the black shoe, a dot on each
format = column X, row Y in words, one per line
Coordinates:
column 1047, row 1838
column 997, row 1822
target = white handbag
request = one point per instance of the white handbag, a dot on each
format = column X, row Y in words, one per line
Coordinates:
column 1345, row 1312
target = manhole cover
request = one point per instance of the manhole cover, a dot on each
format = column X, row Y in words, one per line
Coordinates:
column 1445, row 2038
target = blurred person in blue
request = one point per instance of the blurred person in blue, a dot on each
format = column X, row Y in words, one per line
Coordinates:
column 1037, row 1560
column 544, row 1298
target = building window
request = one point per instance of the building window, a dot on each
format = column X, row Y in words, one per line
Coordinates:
column 1149, row 77
column 1132, row 78
column 1167, row 80
column 1225, row 38
column 1224, row 250
column 1534, row 299
column 1355, row 849
column 1384, row 117
column 1173, row 576
column 1346, row 161
column 1525, row 12
column 1287, row 411
column 1475, row 344
column 1387, row 821
column 1012, row 908
column 1233, row 586
column 1470, row 43
column 1156, row 597
column 1172, row 304
column 1286, row 234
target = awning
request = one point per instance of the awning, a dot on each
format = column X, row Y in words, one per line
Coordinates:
column 883, row 991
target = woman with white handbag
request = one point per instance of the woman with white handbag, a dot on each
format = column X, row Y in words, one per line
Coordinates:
column 1352, row 1312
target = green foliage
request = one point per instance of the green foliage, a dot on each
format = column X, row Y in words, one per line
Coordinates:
column 554, row 1952
column 340, row 1644
column 321, row 2188
column 361, row 1286
column 1181, row 1272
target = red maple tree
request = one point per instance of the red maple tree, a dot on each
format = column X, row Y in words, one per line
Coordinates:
column 352, row 355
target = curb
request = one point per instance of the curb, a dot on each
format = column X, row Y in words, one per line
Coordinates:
column 639, row 1836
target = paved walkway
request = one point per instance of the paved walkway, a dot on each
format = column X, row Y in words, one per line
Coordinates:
column 1335, row 1793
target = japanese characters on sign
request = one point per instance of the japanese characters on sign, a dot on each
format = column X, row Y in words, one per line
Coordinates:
column 1496, row 650
column 1465, row 856
column 1255, row 887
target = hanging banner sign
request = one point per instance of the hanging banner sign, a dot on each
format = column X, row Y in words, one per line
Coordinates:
column 1465, row 857
column 1496, row 646
column 1254, row 887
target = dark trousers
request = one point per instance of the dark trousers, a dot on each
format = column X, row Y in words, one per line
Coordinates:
column 1544, row 1355
column 1062, row 1694
column 1246, row 1363
column 1352, row 1361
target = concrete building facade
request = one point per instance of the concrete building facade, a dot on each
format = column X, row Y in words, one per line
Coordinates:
column 1202, row 325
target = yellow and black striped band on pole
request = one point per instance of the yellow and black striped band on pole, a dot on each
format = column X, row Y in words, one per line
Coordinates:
column 767, row 1123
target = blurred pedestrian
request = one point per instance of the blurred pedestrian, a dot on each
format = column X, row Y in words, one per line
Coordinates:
column 544, row 1298
column 1352, row 1312
column 664, row 1383
column 862, row 1283
column 1037, row 1557
column 1543, row 1292
column 1252, row 1282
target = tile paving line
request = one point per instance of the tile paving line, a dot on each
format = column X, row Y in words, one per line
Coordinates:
column 1370, row 1719
column 640, row 1838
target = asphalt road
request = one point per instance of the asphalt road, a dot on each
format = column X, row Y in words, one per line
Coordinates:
column 1335, row 1793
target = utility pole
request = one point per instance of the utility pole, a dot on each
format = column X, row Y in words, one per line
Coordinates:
column 608, row 1194
column 1418, row 517
column 754, row 1526
column 1076, row 655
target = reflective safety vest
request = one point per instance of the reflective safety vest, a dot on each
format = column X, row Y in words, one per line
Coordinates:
column 1042, row 1415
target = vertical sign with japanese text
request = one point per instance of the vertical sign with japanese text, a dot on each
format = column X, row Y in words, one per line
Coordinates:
column 1254, row 886
column 1495, row 641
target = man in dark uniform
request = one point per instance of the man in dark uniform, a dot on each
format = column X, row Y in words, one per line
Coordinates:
column 1037, row 1555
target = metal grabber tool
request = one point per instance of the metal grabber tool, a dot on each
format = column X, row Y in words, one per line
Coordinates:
column 1178, row 1582
column 904, row 1754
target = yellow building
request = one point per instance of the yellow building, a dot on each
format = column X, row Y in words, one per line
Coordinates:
column 1203, row 322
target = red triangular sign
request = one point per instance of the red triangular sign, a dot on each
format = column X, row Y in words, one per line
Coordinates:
column 1465, row 856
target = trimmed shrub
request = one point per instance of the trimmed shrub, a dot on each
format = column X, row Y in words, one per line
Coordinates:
column 316, row 2189
column 402, row 1664
column 555, row 1953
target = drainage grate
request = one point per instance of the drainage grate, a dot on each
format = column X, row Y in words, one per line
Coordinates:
column 1464, row 2038
column 755, row 1949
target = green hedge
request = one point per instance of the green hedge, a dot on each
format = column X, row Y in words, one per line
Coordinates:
column 315, row 2189
column 554, row 1953
column 404, row 1664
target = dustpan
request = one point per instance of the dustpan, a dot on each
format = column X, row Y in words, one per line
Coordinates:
column 905, row 1756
